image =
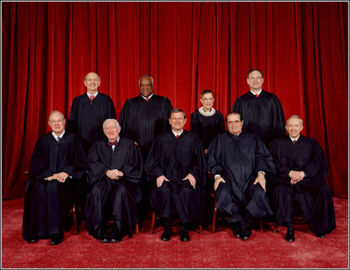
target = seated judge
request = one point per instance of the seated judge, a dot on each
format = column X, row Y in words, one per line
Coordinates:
column 115, row 169
column 176, row 166
column 301, row 179
column 58, row 160
column 239, row 162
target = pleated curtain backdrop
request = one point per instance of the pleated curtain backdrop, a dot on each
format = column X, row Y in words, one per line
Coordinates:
column 47, row 48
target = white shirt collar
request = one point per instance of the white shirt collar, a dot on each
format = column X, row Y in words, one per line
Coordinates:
column 256, row 93
column 177, row 134
column 55, row 136
column 294, row 139
column 151, row 95
column 95, row 94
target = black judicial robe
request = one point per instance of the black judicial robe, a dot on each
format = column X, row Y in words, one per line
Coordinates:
column 263, row 116
column 46, row 202
column 175, row 158
column 238, row 159
column 108, row 197
column 142, row 120
column 207, row 127
column 86, row 119
column 313, row 194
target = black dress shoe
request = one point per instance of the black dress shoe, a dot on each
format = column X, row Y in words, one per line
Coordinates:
column 236, row 229
column 246, row 233
column 56, row 239
column 33, row 241
column 290, row 235
column 184, row 236
column 320, row 235
column 166, row 235
column 115, row 235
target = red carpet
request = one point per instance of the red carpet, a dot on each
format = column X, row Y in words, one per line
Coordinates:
column 218, row 250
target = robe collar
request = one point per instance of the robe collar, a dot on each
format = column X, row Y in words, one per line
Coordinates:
column 56, row 137
column 151, row 95
column 204, row 113
column 256, row 93
column 294, row 139
column 88, row 94
column 177, row 134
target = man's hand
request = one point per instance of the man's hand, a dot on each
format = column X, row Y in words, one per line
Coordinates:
column 261, row 180
column 218, row 180
column 60, row 177
column 160, row 180
column 296, row 176
column 114, row 174
column 192, row 180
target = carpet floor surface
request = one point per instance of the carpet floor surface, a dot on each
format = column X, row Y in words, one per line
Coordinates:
column 145, row 250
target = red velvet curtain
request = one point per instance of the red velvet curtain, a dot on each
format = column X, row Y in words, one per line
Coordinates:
column 47, row 48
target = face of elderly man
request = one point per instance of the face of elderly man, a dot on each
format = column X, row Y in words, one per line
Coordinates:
column 294, row 127
column 57, row 122
column 111, row 130
column 92, row 82
column 146, row 86
column 234, row 124
column 255, row 80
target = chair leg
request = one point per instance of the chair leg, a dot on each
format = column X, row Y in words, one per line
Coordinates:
column 213, row 223
column 200, row 229
column 153, row 221
column 275, row 228
column 137, row 228
column 261, row 226
column 75, row 229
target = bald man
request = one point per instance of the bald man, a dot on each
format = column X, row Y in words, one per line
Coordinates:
column 57, row 162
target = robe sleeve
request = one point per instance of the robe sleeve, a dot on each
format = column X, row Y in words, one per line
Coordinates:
column 80, row 162
column 123, row 119
column 111, row 109
column 97, row 169
column 221, row 128
column 278, row 122
column 214, row 157
column 282, row 168
column 72, row 119
column 237, row 106
column 316, row 169
column 152, row 164
column 195, row 125
column 133, row 167
column 263, row 159
column 39, row 164
column 199, row 167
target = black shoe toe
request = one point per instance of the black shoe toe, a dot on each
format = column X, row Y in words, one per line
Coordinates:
column 290, row 236
column 184, row 236
column 165, row 236
column 56, row 239
column 33, row 241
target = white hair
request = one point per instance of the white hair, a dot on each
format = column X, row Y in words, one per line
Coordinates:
column 297, row 117
column 112, row 120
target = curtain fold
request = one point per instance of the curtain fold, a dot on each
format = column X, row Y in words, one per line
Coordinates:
column 47, row 48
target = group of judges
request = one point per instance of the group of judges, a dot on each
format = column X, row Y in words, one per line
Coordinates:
column 260, row 168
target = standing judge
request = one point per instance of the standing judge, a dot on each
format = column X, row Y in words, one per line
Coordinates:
column 301, row 178
column 89, row 110
column 144, row 117
column 239, row 162
column 176, row 167
column 262, row 111
column 115, row 168
column 57, row 161
column 86, row 116
column 207, row 122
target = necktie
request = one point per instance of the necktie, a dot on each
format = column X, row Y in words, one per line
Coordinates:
column 256, row 95
column 91, row 98
column 147, row 98
column 58, row 139
column 177, row 136
column 294, row 141
column 113, row 143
